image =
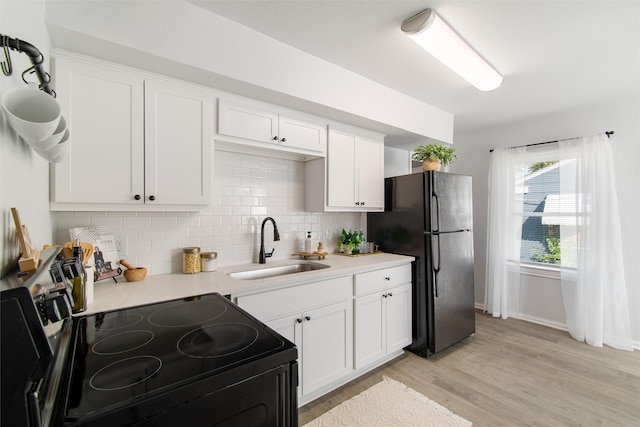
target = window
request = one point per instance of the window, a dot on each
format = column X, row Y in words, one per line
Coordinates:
column 548, row 210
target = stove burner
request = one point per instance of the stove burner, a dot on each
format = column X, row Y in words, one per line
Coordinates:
column 122, row 342
column 187, row 314
column 125, row 373
column 116, row 320
column 217, row 340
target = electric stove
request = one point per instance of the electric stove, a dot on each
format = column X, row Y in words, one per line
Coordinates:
column 197, row 361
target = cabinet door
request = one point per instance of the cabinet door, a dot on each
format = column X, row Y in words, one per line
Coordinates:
column 303, row 133
column 327, row 345
column 370, row 173
column 178, row 139
column 103, row 107
column 398, row 317
column 290, row 327
column 341, row 173
column 247, row 120
column 370, row 338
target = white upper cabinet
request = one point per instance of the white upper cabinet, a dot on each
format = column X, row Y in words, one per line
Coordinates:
column 104, row 109
column 247, row 120
column 178, row 140
column 136, row 142
column 352, row 178
column 260, row 126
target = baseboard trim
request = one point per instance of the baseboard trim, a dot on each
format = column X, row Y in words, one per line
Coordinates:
column 548, row 323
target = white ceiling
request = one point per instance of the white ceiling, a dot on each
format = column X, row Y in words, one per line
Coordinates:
column 554, row 55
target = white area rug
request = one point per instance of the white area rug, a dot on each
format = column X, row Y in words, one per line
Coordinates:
column 389, row 403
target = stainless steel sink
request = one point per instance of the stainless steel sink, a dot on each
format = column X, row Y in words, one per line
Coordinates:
column 279, row 270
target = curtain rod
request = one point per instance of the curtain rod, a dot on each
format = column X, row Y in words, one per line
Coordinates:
column 608, row 133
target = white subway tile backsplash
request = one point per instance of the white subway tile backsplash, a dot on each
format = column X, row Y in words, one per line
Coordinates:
column 200, row 231
column 67, row 222
column 163, row 245
column 142, row 221
column 189, row 221
column 176, row 233
column 241, row 210
column 164, row 221
column 259, row 210
column 151, row 234
column 139, row 247
column 246, row 189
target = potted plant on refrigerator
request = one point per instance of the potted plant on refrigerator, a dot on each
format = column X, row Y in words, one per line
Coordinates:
column 433, row 156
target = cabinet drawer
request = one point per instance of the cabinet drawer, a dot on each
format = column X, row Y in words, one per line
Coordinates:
column 273, row 304
column 377, row 280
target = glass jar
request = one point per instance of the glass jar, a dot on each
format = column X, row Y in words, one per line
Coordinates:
column 191, row 260
column 209, row 261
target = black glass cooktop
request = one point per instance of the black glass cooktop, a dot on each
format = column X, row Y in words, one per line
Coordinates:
column 127, row 355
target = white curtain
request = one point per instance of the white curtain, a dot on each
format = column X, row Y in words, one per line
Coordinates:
column 504, row 230
column 593, row 282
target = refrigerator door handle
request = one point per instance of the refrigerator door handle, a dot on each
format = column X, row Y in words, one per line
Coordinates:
column 435, row 265
column 436, row 205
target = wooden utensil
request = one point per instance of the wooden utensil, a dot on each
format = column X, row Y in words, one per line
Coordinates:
column 30, row 256
column 133, row 274
column 87, row 250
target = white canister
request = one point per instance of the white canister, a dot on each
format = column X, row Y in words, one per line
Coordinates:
column 209, row 261
column 88, row 285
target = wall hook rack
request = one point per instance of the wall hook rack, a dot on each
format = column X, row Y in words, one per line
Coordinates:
column 36, row 60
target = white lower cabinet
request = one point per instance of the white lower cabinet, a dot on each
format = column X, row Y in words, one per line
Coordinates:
column 339, row 337
column 324, row 338
column 383, row 324
column 318, row 318
column 382, row 313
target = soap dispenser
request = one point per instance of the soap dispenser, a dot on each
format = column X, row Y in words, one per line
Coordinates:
column 308, row 244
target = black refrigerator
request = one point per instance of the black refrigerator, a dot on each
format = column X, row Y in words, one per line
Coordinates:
column 429, row 216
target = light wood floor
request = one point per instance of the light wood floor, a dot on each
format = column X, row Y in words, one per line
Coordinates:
column 515, row 373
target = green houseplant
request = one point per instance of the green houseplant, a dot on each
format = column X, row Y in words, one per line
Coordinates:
column 350, row 241
column 434, row 155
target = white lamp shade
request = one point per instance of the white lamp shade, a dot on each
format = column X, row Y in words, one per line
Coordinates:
column 436, row 37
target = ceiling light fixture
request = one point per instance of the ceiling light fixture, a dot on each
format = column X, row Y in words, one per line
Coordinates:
column 436, row 37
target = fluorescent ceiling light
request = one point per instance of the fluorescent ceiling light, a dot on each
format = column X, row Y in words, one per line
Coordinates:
column 436, row 37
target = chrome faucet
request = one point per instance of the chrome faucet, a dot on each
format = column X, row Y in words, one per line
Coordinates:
column 262, row 259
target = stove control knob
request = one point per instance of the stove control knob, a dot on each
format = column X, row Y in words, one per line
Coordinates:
column 56, row 309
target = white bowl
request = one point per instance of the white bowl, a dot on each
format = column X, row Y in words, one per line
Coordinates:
column 58, row 152
column 32, row 113
column 47, row 143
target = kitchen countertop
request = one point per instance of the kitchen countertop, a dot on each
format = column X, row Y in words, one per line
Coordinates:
column 109, row 295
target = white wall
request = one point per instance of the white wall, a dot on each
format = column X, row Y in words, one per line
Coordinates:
column 246, row 189
column 621, row 116
column 396, row 162
column 25, row 175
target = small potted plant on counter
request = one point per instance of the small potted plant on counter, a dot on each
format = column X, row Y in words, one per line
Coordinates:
column 433, row 156
column 350, row 242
